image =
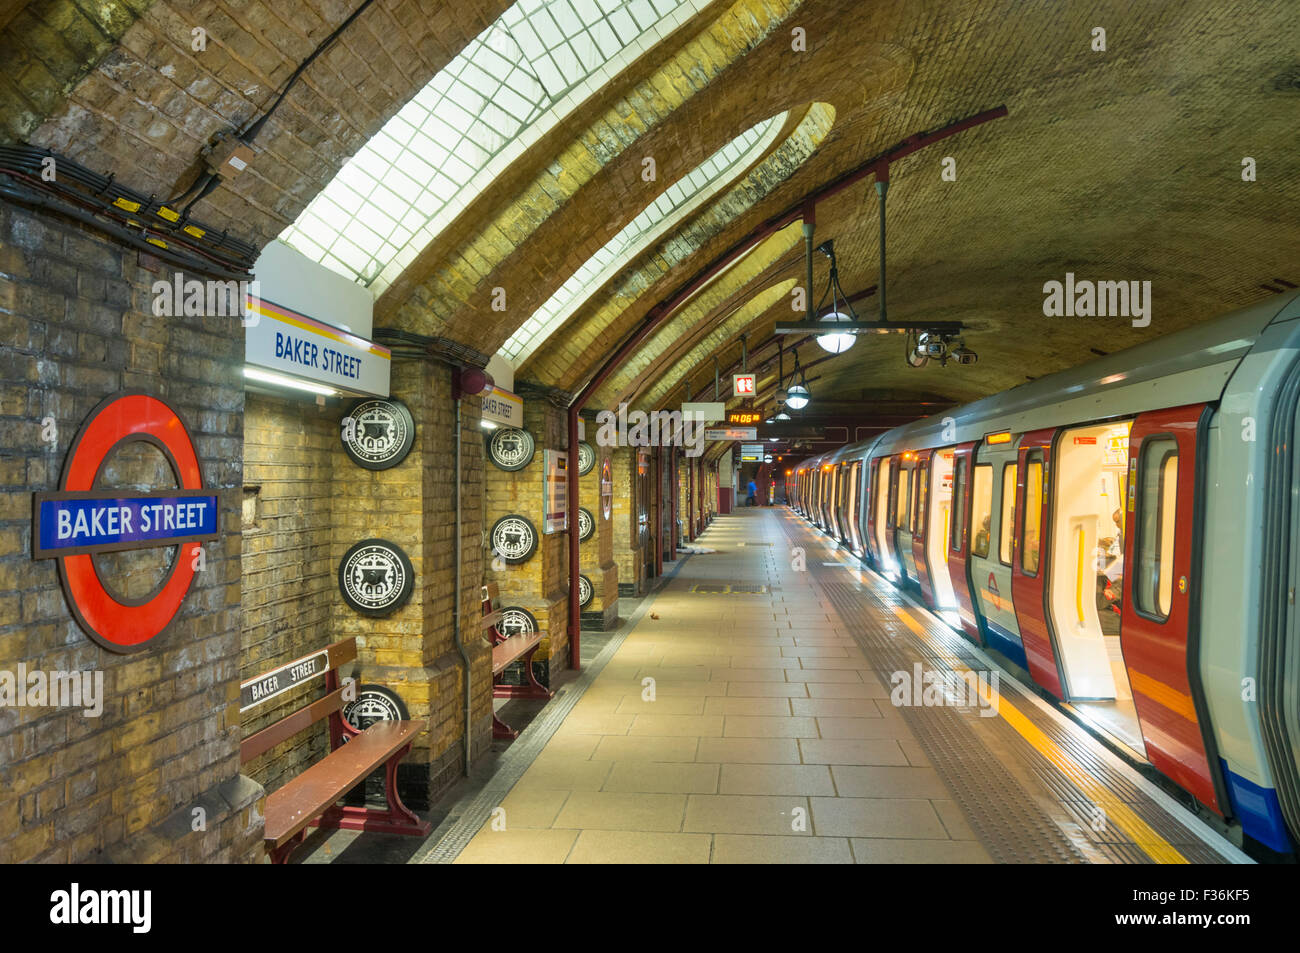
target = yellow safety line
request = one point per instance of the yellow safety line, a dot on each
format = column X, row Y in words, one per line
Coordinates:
column 1137, row 830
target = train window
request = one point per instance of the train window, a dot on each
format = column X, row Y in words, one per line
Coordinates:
column 922, row 494
column 981, row 509
column 1156, row 513
column 1031, row 535
column 904, row 498
column 1005, row 535
column 958, row 503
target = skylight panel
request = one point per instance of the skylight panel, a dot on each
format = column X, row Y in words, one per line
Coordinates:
column 505, row 90
column 669, row 208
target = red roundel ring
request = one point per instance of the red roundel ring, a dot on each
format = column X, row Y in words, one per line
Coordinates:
column 126, row 627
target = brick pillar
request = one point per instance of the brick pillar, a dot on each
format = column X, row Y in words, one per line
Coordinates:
column 413, row 650
column 77, row 326
column 541, row 584
column 630, row 523
column 596, row 555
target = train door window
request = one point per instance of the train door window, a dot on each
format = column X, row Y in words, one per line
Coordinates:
column 922, row 494
column 1008, row 514
column 958, row 503
column 981, row 509
column 1030, row 539
column 1157, row 496
column 833, row 499
column 904, row 498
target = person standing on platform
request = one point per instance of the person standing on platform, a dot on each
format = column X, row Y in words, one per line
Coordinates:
column 753, row 494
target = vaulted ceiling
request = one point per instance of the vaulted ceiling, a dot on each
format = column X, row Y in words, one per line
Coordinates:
column 1115, row 164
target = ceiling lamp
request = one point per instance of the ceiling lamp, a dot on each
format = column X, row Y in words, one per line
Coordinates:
column 841, row 310
column 782, row 416
column 797, row 396
column 835, row 343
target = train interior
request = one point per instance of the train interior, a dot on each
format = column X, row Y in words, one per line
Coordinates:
column 1086, row 573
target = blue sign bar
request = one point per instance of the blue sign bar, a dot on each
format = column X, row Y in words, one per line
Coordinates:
column 80, row 524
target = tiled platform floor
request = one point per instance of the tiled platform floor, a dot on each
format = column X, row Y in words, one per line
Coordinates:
column 732, row 728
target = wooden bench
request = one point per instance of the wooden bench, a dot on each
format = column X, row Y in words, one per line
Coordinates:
column 310, row 799
column 507, row 649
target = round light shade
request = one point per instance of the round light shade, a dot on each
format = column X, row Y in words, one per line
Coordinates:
column 835, row 343
column 797, row 396
column 768, row 458
column 782, row 416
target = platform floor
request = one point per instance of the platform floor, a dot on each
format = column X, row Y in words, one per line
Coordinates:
column 744, row 716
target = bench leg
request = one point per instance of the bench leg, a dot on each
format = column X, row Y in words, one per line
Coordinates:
column 396, row 819
column 534, row 688
column 280, row 855
column 500, row 729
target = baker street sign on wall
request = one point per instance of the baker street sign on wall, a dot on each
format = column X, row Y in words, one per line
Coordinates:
column 82, row 519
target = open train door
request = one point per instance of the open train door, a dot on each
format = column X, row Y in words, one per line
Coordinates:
column 1031, row 555
column 869, row 512
column 963, row 459
column 1159, row 631
column 920, row 505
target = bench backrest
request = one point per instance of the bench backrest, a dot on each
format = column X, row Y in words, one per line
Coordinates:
column 491, row 614
column 263, row 688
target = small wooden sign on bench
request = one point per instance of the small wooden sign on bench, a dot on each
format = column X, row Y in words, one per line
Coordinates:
column 507, row 649
column 310, row 799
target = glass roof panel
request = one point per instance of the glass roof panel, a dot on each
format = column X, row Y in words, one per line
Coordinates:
column 674, row 204
column 506, row 89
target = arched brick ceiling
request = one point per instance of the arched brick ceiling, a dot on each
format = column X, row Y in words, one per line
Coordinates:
column 565, row 359
column 1116, row 165
column 714, row 306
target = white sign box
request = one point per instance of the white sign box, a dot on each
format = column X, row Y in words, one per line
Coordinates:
column 504, row 408
column 742, row 385
column 283, row 340
column 709, row 412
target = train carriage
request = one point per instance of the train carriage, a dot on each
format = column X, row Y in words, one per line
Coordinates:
column 1124, row 533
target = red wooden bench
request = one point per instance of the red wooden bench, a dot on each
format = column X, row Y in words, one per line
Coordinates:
column 310, row 799
column 507, row 649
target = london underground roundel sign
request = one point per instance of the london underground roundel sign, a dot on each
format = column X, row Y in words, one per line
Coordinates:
column 83, row 519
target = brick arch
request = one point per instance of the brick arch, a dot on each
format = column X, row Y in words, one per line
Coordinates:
column 565, row 359
column 701, row 317
column 679, row 112
column 757, row 312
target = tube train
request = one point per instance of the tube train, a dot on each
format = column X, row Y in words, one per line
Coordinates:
column 1127, row 533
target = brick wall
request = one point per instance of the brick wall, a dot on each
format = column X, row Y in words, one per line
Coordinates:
column 76, row 325
column 289, row 580
column 629, row 545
